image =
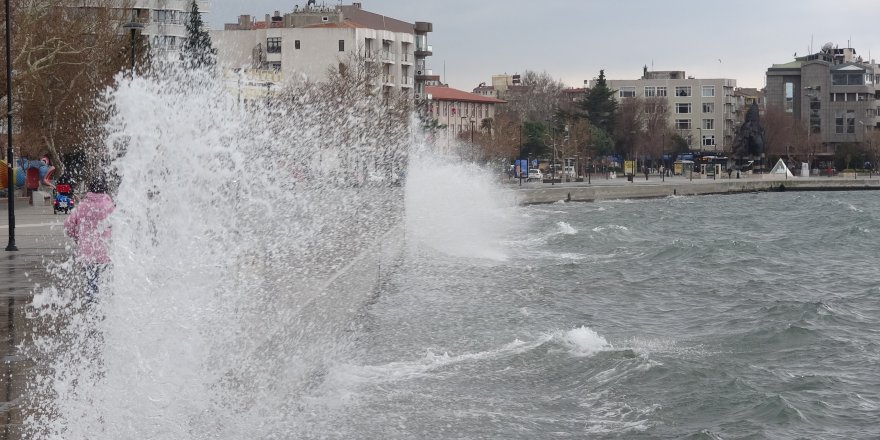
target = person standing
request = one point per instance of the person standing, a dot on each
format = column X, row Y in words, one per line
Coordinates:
column 88, row 226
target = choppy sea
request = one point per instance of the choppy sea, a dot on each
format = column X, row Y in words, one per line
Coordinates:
column 752, row 316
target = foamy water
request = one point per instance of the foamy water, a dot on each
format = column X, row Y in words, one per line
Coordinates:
column 247, row 240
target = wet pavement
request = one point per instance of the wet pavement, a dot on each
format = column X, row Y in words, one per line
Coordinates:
column 39, row 236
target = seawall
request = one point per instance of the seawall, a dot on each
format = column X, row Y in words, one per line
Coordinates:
column 579, row 192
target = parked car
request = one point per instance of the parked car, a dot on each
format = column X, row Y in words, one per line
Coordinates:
column 535, row 173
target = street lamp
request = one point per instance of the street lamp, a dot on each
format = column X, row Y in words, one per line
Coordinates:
column 269, row 85
column 10, row 179
column 134, row 27
column 521, row 154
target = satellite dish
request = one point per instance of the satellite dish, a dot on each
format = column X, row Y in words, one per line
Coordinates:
column 828, row 47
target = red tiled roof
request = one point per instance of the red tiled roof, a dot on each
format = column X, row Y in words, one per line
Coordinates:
column 450, row 94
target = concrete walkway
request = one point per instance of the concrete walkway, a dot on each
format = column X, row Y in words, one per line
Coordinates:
column 40, row 238
column 655, row 186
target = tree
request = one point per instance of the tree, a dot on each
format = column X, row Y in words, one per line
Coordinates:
column 534, row 139
column 599, row 105
column 658, row 131
column 629, row 127
column 65, row 54
column 538, row 98
column 197, row 48
column 777, row 131
column 507, row 131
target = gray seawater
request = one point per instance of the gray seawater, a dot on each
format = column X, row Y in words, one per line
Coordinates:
column 727, row 317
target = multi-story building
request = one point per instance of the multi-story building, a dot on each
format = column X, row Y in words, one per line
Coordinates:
column 833, row 92
column 700, row 110
column 459, row 111
column 308, row 41
column 164, row 22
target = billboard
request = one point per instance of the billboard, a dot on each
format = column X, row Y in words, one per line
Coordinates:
column 521, row 168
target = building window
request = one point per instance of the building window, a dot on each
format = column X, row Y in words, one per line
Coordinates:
column 661, row 90
column 851, row 79
column 683, row 124
column 296, row 44
column 342, row 45
column 627, row 92
column 709, row 140
column 650, row 92
column 708, row 124
column 845, row 122
column 789, row 97
column 683, row 91
column 708, row 107
column 273, row 45
column 682, row 107
column 708, row 91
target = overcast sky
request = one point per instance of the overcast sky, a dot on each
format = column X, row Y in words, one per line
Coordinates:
column 573, row 39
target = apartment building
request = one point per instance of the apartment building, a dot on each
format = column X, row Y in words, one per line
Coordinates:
column 459, row 111
column 702, row 111
column 308, row 41
column 164, row 22
column 834, row 92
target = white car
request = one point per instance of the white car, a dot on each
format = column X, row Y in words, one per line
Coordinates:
column 535, row 173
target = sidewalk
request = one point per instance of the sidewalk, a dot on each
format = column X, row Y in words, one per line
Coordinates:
column 39, row 236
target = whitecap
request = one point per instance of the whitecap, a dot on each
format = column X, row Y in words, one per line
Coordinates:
column 565, row 228
column 583, row 341
column 610, row 227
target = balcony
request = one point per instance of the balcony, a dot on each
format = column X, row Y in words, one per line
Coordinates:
column 406, row 81
column 424, row 51
column 388, row 80
column 388, row 57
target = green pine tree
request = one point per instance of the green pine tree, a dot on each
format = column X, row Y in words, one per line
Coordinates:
column 600, row 106
column 197, row 48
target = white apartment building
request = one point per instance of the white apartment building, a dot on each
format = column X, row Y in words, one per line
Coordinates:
column 164, row 22
column 310, row 51
column 702, row 111
column 309, row 41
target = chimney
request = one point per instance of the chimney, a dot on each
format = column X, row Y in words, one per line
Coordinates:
column 268, row 20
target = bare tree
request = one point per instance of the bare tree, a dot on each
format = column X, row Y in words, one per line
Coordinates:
column 538, row 98
column 629, row 127
column 65, row 53
column 777, row 131
column 658, row 130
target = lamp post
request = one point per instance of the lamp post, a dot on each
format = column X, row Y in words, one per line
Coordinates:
column 473, row 147
column 10, row 168
column 269, row 85
column 589, row 169
column 133, row 27
column 521, row 155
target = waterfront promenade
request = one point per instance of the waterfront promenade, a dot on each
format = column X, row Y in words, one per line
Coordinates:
column 601, row 188
column 40, row 238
